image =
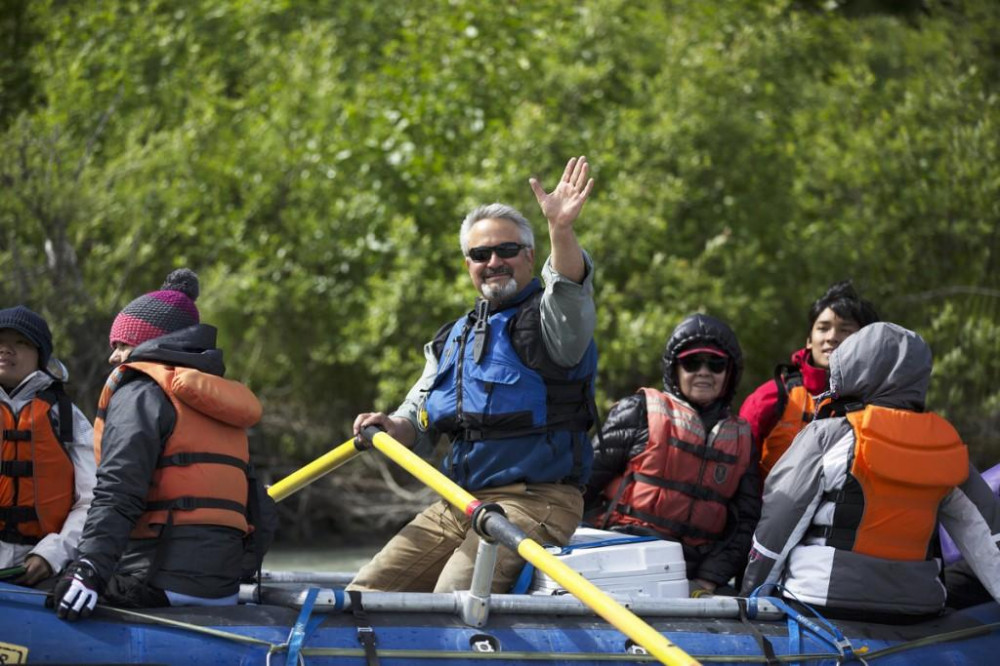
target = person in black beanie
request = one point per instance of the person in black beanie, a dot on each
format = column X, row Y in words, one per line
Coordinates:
column 171, row 507
column 48, row 470
column 678, row 464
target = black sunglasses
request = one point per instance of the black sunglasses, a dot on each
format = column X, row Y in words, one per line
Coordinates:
column 503, row 250
column 716, row 364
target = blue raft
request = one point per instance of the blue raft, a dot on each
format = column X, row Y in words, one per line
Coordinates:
column 303, row 624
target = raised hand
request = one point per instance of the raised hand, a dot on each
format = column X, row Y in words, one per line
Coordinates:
column 562, row 206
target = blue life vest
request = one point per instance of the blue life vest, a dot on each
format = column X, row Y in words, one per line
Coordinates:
column 511, row 421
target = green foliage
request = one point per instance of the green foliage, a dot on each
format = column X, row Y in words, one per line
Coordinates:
column 312, row 162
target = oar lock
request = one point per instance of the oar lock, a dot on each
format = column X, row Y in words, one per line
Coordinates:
column 479, row 515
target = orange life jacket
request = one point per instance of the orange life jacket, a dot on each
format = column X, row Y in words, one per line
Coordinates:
column 200, row 478
column 904, row 463
column 681, row 484
column 36, row 472
column 797, row 407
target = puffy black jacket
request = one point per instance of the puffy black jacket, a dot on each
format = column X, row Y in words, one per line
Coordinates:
column 625, row 434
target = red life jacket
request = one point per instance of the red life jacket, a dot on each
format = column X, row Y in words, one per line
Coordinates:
column 903, row 465
column 36, row 472
column 200, row 478
column 681, row 484
column 797, row 407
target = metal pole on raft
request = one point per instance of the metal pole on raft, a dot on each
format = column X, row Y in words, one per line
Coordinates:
column 313, row 471
column 490, row 521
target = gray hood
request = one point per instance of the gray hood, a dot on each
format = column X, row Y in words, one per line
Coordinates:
column 882, row 364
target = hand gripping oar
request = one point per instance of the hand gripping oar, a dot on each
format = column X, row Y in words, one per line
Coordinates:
column 489, row 520
column 317, row 469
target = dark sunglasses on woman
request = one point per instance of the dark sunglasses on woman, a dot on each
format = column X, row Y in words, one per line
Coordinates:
column 716, row 364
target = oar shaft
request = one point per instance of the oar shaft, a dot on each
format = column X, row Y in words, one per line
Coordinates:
column 616, row 614
column 313, row 471
column 416, row 466
column 514, row 538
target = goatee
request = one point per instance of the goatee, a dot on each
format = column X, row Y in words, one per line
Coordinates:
column 500, row 293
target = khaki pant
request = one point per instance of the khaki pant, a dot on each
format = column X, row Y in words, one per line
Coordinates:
column 436, row 551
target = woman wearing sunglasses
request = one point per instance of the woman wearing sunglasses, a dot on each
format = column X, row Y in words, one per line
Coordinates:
column 677, row 463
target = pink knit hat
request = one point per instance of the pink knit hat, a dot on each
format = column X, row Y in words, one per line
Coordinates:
column 159, row 312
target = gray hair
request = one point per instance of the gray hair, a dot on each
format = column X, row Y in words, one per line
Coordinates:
column 496, row 211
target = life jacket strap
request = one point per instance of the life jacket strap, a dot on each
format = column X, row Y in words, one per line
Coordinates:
column 841, row 406
column 17, row 468
column 481, row 330
column 579, row 423
column 56, row 395
column 612, row 506
column 701, row 492
column 12, row 515
column 843, row 496
column 830, row 532
column 188, row 458
column 673, row 528
column 17, row 435
column 9, row 535
column 786, row 377
column 192, row 503
column 65, row 416
column 704, row 452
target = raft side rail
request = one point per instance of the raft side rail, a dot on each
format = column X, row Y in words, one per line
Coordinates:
column 333, row 601
column 321, row 578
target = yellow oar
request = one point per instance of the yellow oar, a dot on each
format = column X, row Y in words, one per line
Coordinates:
column 496, row 525
column 313, row 471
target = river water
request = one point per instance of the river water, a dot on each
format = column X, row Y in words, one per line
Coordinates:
column 317, row 557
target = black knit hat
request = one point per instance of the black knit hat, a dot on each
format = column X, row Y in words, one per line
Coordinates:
column 31, row 326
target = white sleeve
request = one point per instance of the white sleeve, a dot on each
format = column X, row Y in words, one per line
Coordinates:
column 59, row 548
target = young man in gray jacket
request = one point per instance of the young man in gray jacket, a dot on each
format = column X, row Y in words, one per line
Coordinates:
column 851, row 509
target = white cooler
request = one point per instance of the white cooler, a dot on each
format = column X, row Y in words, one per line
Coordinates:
column 647, row 568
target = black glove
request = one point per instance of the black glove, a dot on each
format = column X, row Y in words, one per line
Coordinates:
column 75, row 595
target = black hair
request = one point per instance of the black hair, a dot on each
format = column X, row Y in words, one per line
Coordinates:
column 842, row 298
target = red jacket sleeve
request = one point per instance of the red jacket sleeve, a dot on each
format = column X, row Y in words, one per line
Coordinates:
column 760, row 409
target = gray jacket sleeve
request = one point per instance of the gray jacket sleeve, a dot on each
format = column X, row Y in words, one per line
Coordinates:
column 792, row 493
column 971, row 514
column 414, row 401
column 139, row 420
column 568, row 314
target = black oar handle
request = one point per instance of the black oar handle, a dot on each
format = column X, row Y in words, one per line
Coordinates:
column 490, row 522
column 364, row 442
